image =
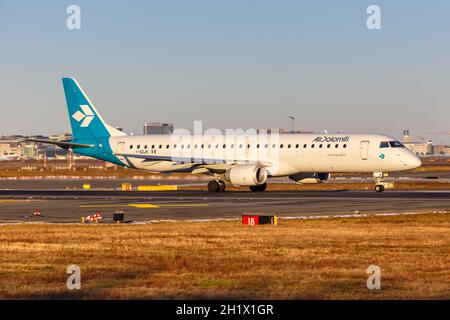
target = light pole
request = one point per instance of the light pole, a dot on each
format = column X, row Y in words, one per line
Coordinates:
column 292, row 122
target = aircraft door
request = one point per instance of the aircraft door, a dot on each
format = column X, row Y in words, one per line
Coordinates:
column 120, row 148
column 364, row 150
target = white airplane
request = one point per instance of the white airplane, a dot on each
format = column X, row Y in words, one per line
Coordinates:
column 9, row 157
column 242, row 160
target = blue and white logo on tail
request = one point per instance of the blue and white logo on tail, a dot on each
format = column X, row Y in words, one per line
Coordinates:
column 85, row 115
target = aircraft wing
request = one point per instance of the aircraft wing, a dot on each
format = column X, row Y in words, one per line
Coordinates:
column 62, row 144
column 187, row 160
column 148, row 157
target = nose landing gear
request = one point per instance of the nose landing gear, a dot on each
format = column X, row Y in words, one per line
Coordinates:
column 379, row 184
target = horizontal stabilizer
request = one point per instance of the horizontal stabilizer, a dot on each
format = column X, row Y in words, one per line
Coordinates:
column 62, row 144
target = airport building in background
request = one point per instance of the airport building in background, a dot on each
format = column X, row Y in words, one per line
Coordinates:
column 158, row 128
column 14, row 148
column 442, row 150
column 419, row 145
column 10, row 148
column 61, row 137
column 424, row 147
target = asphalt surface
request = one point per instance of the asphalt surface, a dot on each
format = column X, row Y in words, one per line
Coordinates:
column 71, row 205
column 115, row 183
column 105, row 183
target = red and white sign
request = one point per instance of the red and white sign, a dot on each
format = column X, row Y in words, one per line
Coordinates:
column 250, row 220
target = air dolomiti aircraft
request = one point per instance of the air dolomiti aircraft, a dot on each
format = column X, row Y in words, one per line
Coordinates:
column 243, row 160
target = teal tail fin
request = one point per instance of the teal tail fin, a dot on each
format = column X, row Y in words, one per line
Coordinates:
column 85, row 120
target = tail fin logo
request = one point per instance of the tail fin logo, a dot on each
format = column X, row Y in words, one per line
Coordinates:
column 86, row 115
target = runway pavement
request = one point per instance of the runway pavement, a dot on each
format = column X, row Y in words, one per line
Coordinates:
column 105, row 183
column 70, row 205
column 113, row 183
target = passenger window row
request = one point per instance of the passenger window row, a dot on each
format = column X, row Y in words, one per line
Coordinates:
column 209, row 146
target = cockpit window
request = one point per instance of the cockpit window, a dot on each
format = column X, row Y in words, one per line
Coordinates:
column 395, row 144
column 384, row 144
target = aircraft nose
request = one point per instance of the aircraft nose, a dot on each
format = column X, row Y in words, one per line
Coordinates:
column 414, row 162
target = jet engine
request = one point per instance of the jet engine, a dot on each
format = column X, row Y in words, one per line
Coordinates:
column 247, row 175
column 310, row 177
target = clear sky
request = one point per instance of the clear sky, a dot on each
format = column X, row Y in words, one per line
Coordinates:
column 232, row 64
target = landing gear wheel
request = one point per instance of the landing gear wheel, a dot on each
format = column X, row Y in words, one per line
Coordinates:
column 262, row 187
column 222, row 186
column 259, row 188
column 379, row 188
column 216, row 186
column 213, row 186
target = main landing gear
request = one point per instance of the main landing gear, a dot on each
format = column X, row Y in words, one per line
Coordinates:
column 259, row 187
column 219, row 186
column 216, row 186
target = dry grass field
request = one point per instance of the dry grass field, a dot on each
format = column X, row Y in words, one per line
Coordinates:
column 308, row 259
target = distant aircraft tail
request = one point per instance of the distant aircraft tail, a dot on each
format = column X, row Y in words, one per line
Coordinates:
column 85, row 120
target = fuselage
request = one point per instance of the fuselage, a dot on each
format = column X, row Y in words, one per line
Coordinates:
column 283, row 155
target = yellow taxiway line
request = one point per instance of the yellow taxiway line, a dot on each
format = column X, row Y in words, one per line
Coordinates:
column 17, row 201
column 145, row 205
